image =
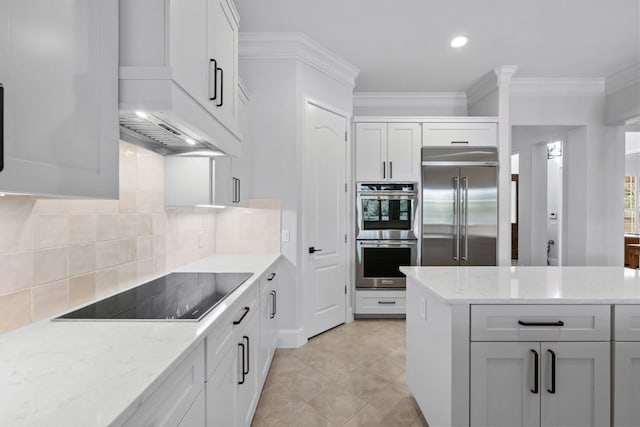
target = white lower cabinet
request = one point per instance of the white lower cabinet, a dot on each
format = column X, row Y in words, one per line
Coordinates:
column 222, row 392
column 196, row 415
column 268, row 323
column 175, row 396
column 627, row 384
column 381, row 302
column 540, row 384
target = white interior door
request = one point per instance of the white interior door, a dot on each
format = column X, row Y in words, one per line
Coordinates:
column 324, row 217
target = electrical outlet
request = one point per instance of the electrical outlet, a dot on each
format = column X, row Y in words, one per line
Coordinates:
column 285, row 235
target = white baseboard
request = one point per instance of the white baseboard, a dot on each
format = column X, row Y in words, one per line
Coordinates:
column 291, row 338
column 349, row 314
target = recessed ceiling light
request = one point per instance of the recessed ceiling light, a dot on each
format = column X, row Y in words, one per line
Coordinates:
column 142, row 114
column 189, row 141
column 459, row 41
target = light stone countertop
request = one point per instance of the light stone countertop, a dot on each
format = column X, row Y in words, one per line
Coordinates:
column 95, row 373
column 530, row 285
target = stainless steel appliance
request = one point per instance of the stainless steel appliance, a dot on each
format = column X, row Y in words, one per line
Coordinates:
column 378, row 262
column 176, row 296
column 386, row 233
column 386, row 210
column 459, row 206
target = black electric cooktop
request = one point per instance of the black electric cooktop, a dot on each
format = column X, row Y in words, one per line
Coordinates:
column 176, row 296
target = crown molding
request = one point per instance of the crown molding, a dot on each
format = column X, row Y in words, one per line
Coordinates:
column 622, row 79
column 300, row 47
column 525, row 86
column 504, row 74
column 409, row 99
column 483, row 87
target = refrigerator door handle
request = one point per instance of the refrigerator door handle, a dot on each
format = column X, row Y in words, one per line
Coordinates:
column 465, row 208
column 456, row 217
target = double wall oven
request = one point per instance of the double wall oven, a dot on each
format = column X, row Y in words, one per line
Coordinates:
column 386, row 233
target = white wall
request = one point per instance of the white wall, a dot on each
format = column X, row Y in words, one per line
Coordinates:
column 487, row 106
column 593, row 169
column 278, row 89
column 623, row 104
column 554, row 205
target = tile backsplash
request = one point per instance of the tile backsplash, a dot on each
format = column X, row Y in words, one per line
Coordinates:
column 59, row 253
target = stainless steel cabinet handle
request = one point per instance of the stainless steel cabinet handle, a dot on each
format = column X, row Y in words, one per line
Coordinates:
column 465, row 184
column 273, row 303
column 459, row 142
column 456, row 219
column 215, row 79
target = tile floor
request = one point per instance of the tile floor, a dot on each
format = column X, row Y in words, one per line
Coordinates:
column 353, row 375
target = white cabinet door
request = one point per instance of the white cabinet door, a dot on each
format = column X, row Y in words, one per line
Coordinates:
column 578, row 394
column 191, row 67
column 627, row 384
column 223, row 48
column 505, row 391
column 371, row 151
column 222, row 391
column 59, row 69
column 196, row 417
column 404, row 142
column 268, row 323
column 248, row 391
column 460, row 134
column 187, row 181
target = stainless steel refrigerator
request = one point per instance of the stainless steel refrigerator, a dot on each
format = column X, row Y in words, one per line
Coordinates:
column 459, row 206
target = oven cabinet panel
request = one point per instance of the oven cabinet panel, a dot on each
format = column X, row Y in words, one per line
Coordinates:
column 388, row 151
column 381, row 302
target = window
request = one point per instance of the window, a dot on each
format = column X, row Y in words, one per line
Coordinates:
column 631, row 204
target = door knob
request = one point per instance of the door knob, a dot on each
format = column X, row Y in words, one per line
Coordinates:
column 313, row 250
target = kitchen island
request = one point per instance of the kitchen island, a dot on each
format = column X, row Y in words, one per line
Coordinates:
column 123, row 373
column 524, row 346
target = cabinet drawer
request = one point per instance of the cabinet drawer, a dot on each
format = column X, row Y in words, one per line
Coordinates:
column 381, row 302
column 459, row 134
column 173, row 398
column 225, row 332
column 540, row 322
column 627, row 323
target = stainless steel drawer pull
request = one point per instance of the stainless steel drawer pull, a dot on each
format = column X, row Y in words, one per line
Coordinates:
column 386, row 302
column 459, row 142
column 557, row 323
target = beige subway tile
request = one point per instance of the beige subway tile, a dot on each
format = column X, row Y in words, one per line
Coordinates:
column 128, row 200
column 144, row 269
column 50, row 231
column 265, row 203
column 272, row 247
column 50, row 206
column 157, row 201
column 16, row 205
column 82, row 229
column 159, row 246
column 159, row 223
column 16, row 232
column 15, row 310
column 144, row 247
column 228, row 224
column 50, row 265
column 127, row 250
column 272, row 233
column 81, row 206
column 226, row 246
column 144, row 225
column 106, row 282
column 82, row 289
column 82, row 259
column 126, row 226
column 159, row 265
column 106, row 227
column 107, row 206
column 107, row 254
column 127, row 274
column 50, row 299
column 150, row 172
column 145, row 201
column 17, row 272
column 128, row 168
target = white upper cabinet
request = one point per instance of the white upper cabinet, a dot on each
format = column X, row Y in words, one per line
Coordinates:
column 388, row 151
column 460, row 134
column 59, row 71
column 179, row 61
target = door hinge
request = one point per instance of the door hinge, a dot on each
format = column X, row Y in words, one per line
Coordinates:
column 345, row 289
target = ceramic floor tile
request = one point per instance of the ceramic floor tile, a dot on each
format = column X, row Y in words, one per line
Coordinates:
column 352, row 375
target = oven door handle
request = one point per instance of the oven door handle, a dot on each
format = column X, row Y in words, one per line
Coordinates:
column 389, row 196
column 378, row 243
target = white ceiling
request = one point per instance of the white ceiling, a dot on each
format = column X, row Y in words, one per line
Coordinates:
column 403, row 45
